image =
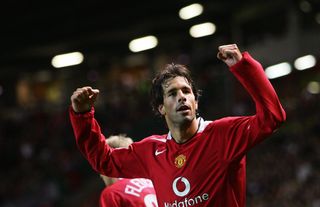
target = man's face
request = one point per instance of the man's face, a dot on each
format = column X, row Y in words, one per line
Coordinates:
column 179, row 104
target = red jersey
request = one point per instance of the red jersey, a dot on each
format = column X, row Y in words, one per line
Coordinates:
column 207, row 170
column 136, row 192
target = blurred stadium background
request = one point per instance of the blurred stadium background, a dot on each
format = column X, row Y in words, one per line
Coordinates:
column 40, row 163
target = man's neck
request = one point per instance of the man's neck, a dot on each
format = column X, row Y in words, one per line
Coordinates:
column 182, row 133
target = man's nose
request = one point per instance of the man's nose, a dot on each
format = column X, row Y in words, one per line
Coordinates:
column 181, row 96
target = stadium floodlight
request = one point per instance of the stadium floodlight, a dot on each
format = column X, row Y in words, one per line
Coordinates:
column 143, row 43
column 68, row 59
column 201, row 30
column 313, row 87
column 278, row 70
column 305, row 62
column 190, row 11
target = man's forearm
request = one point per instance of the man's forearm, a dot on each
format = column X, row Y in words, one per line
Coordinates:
column 251, row 75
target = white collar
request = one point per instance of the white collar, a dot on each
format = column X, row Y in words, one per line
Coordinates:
column 202, row 125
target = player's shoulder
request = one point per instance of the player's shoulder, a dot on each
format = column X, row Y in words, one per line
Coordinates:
column 209, row 125
column 149, row 144
column 108, row 190
column 112, row 195
column 229, row 120
column 155, row 139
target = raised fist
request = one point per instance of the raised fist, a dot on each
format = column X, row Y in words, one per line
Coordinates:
column 83, row 99
column 230, row 54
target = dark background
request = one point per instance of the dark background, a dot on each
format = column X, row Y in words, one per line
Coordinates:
column 40, row 163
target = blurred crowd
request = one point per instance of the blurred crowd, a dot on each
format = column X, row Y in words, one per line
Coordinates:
column 41, row 166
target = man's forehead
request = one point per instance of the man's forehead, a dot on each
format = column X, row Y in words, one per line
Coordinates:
column 179, row 79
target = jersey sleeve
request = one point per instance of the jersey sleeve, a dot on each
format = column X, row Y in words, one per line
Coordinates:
column 120, row 162
column 239, row 134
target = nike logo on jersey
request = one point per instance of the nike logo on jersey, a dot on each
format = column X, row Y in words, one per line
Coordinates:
column 159, row 152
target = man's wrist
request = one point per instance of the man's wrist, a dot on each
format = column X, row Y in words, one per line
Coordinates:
column 81, row 111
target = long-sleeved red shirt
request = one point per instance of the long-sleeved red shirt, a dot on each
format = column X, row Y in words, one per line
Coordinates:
column 209, row 169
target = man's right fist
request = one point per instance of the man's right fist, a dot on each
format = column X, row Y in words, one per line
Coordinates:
column 83, row 99
column 230, row 54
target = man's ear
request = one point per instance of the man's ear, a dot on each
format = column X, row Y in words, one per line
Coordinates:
column 161, row 109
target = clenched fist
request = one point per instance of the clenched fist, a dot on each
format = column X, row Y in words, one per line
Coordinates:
column 230, row 54
column 83, row 99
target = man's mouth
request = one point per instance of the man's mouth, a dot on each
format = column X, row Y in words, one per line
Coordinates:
column 183, row 108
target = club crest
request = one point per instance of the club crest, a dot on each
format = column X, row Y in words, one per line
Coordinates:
column 180, row 161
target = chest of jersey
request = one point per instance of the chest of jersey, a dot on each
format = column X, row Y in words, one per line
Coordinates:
column 192, row 170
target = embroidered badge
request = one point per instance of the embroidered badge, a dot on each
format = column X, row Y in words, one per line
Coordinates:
column 180, row 161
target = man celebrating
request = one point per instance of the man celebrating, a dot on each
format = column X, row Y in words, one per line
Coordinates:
column 198, row 162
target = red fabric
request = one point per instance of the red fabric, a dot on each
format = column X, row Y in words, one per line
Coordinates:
column 211, row 166
column 137, row 192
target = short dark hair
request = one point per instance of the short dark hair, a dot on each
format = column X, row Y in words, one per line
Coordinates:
column 170, row 71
